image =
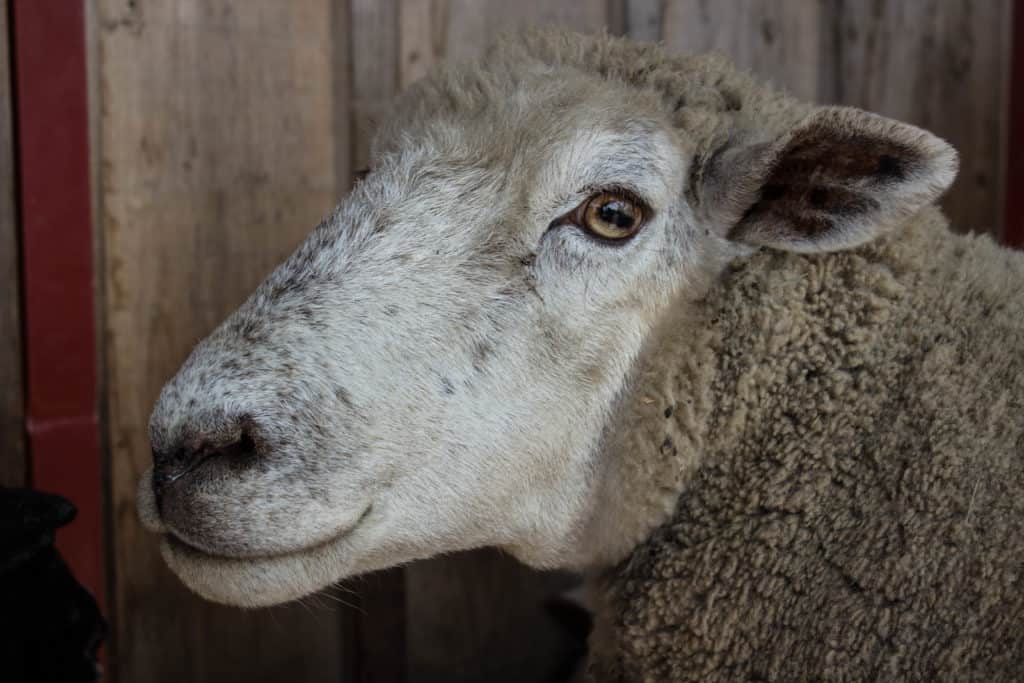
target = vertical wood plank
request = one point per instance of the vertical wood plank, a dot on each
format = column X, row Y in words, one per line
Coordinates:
column 420, row 38
column 779, row 40
column 341, row 67
column 432, row 30
column 943, row 65
column 1013, row 217
column 644, row 19
column 374, row 39
column 12, row 399
column 470, row 26
column 216, row 159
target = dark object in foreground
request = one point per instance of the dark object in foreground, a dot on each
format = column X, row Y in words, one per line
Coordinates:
column 50, row 626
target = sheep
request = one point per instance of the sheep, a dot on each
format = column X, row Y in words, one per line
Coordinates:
column 636, row 315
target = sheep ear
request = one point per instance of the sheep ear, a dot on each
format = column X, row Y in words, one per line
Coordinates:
column 838, row 179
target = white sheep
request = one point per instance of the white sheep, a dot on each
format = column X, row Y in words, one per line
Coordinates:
column 632, row 314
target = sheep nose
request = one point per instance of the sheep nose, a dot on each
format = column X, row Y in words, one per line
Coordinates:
column 172, row 465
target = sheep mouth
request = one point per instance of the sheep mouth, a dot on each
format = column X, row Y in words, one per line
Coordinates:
column 264, row 580
column 177, row 542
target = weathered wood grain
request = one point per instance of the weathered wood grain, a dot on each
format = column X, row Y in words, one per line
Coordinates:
column 471, row 26
column 341, row 71
column 779, row 40
column 374, row 40
column 216, row 159
column 12, row 401
column 644, row 19
column 431, row 30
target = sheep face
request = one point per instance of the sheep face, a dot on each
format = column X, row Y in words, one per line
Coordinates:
column 436, row 366
column 431, row 371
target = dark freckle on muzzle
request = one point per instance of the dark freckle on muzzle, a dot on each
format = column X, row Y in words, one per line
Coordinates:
column 237, row 442
column 341, row 393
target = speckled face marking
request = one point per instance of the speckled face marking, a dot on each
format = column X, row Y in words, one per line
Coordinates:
column 442, row 364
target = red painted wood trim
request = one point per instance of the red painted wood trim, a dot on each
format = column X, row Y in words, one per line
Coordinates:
column 1014, row 218
column 53, row 165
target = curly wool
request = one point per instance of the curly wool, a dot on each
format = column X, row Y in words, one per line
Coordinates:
column 854, row 511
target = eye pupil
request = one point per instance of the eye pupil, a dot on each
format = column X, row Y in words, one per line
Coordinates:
column 617, row 213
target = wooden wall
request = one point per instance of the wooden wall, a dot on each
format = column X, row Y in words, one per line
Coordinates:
column 12, row 401
column 227, row 128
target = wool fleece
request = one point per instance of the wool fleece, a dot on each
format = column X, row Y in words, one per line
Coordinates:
column 852, row 463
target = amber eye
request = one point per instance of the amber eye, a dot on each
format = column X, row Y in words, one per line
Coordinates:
column 612, row 216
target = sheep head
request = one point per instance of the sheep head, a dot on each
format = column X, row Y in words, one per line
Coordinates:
column 441, row 364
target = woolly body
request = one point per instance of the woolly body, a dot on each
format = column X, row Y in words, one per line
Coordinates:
column 853, row 471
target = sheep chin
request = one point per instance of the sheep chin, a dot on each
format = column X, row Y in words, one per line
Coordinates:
column 258, row 581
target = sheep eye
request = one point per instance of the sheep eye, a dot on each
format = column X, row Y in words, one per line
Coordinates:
column 611, row 216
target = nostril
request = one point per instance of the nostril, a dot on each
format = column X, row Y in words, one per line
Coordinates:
column 174, row 464
column 181, row 457
column 243, row 447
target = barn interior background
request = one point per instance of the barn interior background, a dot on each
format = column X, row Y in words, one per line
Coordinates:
column 202, row 139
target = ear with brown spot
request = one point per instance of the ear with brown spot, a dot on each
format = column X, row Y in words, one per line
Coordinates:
column 838, row 179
